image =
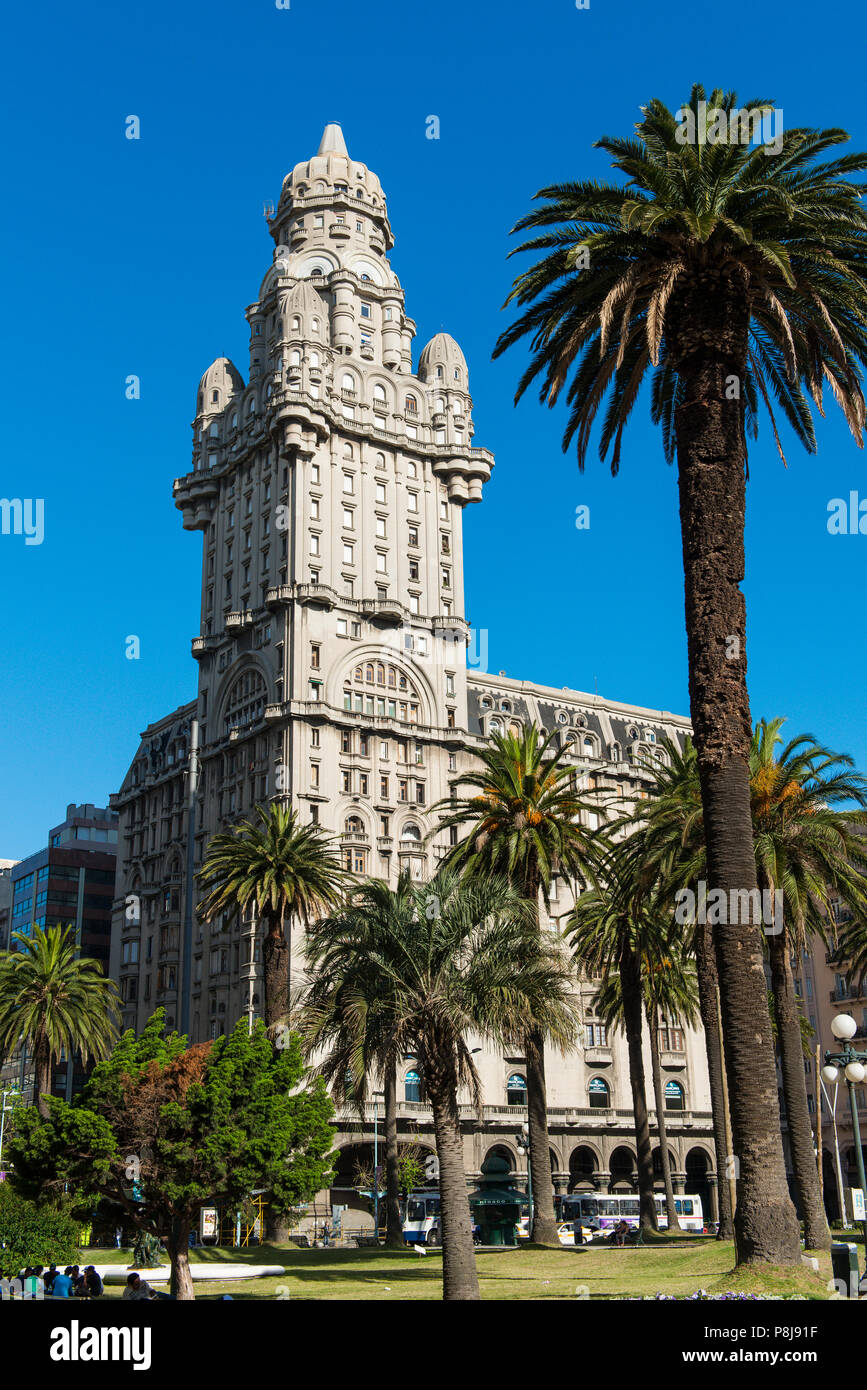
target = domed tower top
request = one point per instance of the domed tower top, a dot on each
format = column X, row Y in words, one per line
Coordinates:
column 217, row 387
column 331, row 178
column 443, row 364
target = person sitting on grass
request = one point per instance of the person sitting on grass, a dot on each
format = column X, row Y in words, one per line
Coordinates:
column 92, row 1283
column 62, row 1286
column 137, row 1289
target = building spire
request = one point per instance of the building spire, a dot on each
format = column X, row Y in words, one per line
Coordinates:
column 332, row 141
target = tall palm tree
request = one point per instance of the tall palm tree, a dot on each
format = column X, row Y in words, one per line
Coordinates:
column 608, row 932
column 668, row 855
column 461, row 959
column 806, row 802
column 350, row 1021
column 668, row 981
column 55, row 1001
column 522, row 818
column 736, row 273
column 287, row 870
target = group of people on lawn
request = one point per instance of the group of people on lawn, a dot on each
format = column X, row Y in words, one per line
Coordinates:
column 35, row 1281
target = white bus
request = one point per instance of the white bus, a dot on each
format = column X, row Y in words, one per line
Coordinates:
column 421, row 1218
column 604, row 1210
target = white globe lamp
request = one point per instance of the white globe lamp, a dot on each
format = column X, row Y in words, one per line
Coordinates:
column 831, row 1075
column 844, row 1027
column 855, row 1072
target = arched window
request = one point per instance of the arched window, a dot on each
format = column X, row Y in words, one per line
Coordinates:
column 439, row 373
column 296, row 324
column 589, row 747
column 368, row 673
column 245, row 703
column 380, row 673
column 400, row 702
column 505, row 706
column 347, row 451
column 673, row 1096
column 380, row 460
column 485, row 702
column 495, row 726
column 295, row 358
column 411, row 405
column 411, row 832
column 353, row 826
column 251, row 408
column 614, row 752
column 412, row 1087
column 348, row 382
column 314, row 359
column 215, row 396
column 314, row 325
column 599, row 1093
column 379, row 393
column 516, row 1089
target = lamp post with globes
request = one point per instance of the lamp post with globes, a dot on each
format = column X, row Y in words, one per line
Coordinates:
column 852, row 1065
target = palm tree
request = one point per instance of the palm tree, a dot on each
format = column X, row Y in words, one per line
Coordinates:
column 351, row 1022
column 608, row 932
column 55, row 1001
column 670, row 855
column 668, row 980
column 523, row 819
column 283, row 868
column 736, row 273
column 807, row 853
column 460, row 959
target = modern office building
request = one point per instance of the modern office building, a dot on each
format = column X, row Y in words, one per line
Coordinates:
column 69, row 882
column 6, row 867
column 338, row 670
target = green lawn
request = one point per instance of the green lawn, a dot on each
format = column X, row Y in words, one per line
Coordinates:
column 524, row 1273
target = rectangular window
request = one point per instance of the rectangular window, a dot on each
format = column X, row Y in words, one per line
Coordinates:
column 413, row 570
column 314, row 738
column 314, row 774
column 403, row 790
column 349, row 482
column 450, row 683
column 412, row 504
column 453, row 762
column 365, row 311
column 381, row 563
column 383, row 748
column 348, row 554
column 380, row 492
column 314, row 543
column 380, row 527
column 413, row 536
column 349, row 518
column 315, row 650
column 419, row 793
column 363, row 784
column 314, row 472
column 341, row 627
column 413, row 603
column 346, row 781
column 383, row 788
column 346, row 741
column 314, row 508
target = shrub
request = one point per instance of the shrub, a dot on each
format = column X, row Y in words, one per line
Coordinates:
column 33, row 1233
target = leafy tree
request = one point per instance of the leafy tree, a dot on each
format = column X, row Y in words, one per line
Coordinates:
column 163, row 1129
column 459, row 958
column 729, row 275
column 33, row 1233
column 286, row 870
column 522, row 818
column 56, row 1001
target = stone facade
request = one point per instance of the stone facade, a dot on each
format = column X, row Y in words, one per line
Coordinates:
column 337, row 668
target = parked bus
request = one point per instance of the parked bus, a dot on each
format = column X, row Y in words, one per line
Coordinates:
column 421, row 1218
column 604, row 1210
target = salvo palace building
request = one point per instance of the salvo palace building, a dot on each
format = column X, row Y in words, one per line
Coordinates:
column 337, row 671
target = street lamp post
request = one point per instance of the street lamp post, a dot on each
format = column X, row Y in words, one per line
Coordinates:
column 13, row 1091
column 852, row 1064
column 522, row 1143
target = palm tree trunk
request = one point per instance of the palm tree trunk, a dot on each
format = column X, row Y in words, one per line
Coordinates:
column 633, row 1010
column 394, row 1226
column 275, row 971
column 816, row 1233
column 708, row 333
column 178, row 1243
column 708, row 1004
column 42, row 1067
column 656, row 1069
column 460, row 1278
column 544, row 1230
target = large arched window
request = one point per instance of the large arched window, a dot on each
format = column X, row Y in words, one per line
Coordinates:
column 412, row 1087
column 245, row 703
column 399, row 700
column 353, row 826
column 411, row 832
column 599, row 1093
column 516, row 1089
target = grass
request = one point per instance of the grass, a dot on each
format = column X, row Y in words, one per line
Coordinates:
column 674, row 1267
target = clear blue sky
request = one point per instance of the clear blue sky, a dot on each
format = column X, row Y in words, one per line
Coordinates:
column 139, row 257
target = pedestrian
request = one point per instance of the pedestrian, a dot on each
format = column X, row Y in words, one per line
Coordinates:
column 92, row 1283
column 117, row 1237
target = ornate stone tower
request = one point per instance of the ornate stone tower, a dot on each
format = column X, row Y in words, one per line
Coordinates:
column 330, row 490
